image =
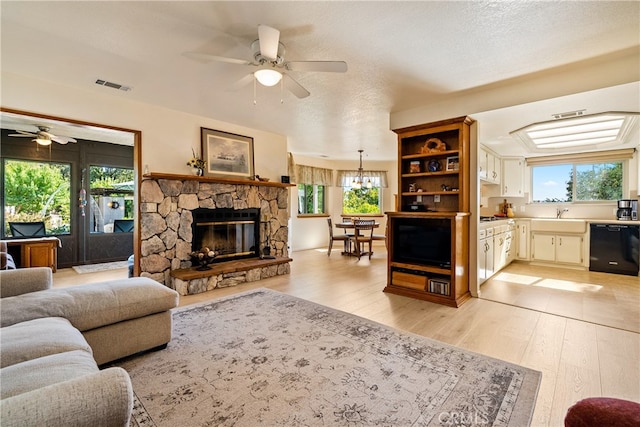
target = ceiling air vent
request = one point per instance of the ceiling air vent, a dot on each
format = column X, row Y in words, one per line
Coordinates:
column 113, row 85
column 569, row 114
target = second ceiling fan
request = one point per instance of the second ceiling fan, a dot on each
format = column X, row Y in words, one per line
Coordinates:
column 268, row 56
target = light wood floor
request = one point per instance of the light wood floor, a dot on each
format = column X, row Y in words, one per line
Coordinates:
column 602, row 298
column 577, row 359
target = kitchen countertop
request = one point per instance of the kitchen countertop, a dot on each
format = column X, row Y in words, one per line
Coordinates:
column 503, row 221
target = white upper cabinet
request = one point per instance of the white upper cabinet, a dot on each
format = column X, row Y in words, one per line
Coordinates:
column 488, row 166
column 512, row 177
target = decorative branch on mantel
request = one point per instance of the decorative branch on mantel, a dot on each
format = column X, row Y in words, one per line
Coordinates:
column 156, row 175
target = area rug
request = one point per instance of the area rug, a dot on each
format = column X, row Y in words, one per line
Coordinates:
column 94, row 268
column 263, row 358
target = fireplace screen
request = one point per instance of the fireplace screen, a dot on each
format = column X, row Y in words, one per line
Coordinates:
column 231, row 233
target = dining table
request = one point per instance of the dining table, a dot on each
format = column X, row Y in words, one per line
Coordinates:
column 347, row 225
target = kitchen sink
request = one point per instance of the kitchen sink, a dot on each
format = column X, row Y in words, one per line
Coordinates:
column 559, row 225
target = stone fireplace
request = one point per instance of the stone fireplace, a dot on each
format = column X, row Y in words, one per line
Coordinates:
column 170, row 205
column 231, row 233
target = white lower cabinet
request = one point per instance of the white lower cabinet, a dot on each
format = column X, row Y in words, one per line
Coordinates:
column 485, row 255
column 562, row 248
column 522, row 239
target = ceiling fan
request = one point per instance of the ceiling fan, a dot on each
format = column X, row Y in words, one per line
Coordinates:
column 268, row 56
column 43, row 137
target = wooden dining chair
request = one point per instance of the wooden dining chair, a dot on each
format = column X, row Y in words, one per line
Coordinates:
column 380, row 236
column 363, row 235
column 344, row 238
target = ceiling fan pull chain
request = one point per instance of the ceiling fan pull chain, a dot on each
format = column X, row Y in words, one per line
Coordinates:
column 254, row 90
column 281, row 91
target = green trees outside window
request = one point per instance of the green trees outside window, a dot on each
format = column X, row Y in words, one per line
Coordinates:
column 361, row 200
column 311, row 199
column 577, row 182
column 38, row 191
column 111, row 192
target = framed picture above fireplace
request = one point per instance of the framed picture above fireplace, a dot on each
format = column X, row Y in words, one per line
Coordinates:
column 227, row 154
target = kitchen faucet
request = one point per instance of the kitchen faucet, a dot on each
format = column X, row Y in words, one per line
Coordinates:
column 560, row 212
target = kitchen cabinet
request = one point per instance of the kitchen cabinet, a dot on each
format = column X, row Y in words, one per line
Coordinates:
column 485, row 254
column 560, row 248
column 512, row 177
column 502, row 246
column 523, row 227
column 488, row 166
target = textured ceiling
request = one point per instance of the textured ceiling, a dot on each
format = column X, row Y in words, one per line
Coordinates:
column 401, row 55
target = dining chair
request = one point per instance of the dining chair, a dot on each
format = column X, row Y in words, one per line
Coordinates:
column 380, row 236
column 122, row 225
column 363, row 235
column 27, row 229
column 344, row 238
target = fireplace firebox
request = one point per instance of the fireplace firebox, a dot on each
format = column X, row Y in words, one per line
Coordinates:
column 232, row 233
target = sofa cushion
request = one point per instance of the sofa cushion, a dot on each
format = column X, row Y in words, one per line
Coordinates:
column 25, row 280
column 37, row 338
column 102, row 399
column 43, row 371
column 93, row 305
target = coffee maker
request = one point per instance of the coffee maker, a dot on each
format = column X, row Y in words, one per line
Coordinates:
column 627, row 210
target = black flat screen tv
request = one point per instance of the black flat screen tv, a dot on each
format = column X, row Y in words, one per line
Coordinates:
column 422, row 241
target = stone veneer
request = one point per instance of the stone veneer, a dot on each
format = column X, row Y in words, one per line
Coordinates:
column 166, row 217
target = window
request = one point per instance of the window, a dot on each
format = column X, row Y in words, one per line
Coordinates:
column 38, row 191
column 111, row 197
column 362, row 200
column 311, row 199
column 577, row 182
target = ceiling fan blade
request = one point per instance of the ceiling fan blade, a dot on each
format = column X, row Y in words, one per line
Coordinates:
column 269, row 39
column 325, row 66
column 23, row 133
column 294, row 87
column 242, row 82
column 205, row 58
column 62, row 139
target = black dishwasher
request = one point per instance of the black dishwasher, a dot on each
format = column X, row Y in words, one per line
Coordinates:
column 613, row 248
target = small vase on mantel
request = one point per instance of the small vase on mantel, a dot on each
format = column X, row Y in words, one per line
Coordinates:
column 198, row 171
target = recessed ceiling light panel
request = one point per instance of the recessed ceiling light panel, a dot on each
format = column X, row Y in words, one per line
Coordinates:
column 584, row 132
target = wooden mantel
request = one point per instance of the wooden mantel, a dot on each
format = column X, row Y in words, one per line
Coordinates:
column 218, row 180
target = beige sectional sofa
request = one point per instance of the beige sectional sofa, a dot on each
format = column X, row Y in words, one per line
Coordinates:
column 52, row 342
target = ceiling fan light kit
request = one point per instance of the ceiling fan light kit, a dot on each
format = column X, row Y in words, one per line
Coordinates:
column 42, row 141
column 268, row 77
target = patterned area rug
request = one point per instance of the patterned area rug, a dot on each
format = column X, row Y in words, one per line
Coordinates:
column 94, row 268
column 269, row 359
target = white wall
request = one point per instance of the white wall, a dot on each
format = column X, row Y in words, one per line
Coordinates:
column 574, row 78
column 168, row 136
column 312, row 232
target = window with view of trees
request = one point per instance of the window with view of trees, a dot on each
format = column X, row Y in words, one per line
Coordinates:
column 361, row 200
column 111, row 197
column 38, row 191
column 577, row 182
column 311, row 199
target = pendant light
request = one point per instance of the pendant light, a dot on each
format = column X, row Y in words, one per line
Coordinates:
column 357, row 182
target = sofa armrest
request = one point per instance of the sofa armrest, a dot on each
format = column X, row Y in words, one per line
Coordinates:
column 25, row 280
column 103, row 399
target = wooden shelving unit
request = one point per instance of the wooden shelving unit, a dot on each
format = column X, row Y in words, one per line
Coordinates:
column 433, row 184
column 442, row 173
column 448, row 286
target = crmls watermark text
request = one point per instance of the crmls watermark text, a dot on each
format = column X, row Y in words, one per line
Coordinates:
column 462, row 418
